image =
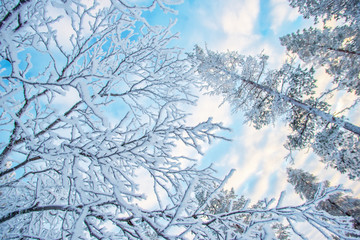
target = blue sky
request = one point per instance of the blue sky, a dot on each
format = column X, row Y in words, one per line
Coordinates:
column 250, row 27
column 221, row 24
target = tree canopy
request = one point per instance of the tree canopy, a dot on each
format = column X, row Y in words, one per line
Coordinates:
column 91, row 116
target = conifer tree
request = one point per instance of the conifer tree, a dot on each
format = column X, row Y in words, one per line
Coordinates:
column 264, row 95
column 337, row 49
column 327, row 10
column 307, row 185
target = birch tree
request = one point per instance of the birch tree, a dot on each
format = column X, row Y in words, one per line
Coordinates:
column 264, row 95
column 228, row 217
column 70, row 169
column 227, row 201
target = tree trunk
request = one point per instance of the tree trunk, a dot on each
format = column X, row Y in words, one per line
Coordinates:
column 325, row 116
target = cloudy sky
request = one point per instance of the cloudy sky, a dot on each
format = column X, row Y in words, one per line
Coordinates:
column 250, row 27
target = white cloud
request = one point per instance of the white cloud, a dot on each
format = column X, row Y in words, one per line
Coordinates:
column 227, row 25
column 238, row 21
column 259, row 156
column 208, row 106
column 239, row 17
column 281, row 12
column 245, row 44
column 231, row 25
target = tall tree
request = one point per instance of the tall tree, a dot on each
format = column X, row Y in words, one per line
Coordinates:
column 307, row 185
column 337, row 50
column 265, row 95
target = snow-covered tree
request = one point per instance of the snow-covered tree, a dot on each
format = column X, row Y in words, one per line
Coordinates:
column 337, row 49
column 231, row 217
column 74, row 166
column 327, row 10
column 227, row 201
column 340, row 149
column 306, row 185
column 92, row 109
column 268, row 219
column 265, row 95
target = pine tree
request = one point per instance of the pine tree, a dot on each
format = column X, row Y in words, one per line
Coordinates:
column 339, row 149
column 338, row 50
column 326, row 10
column 266, row 95
column 307, row 186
